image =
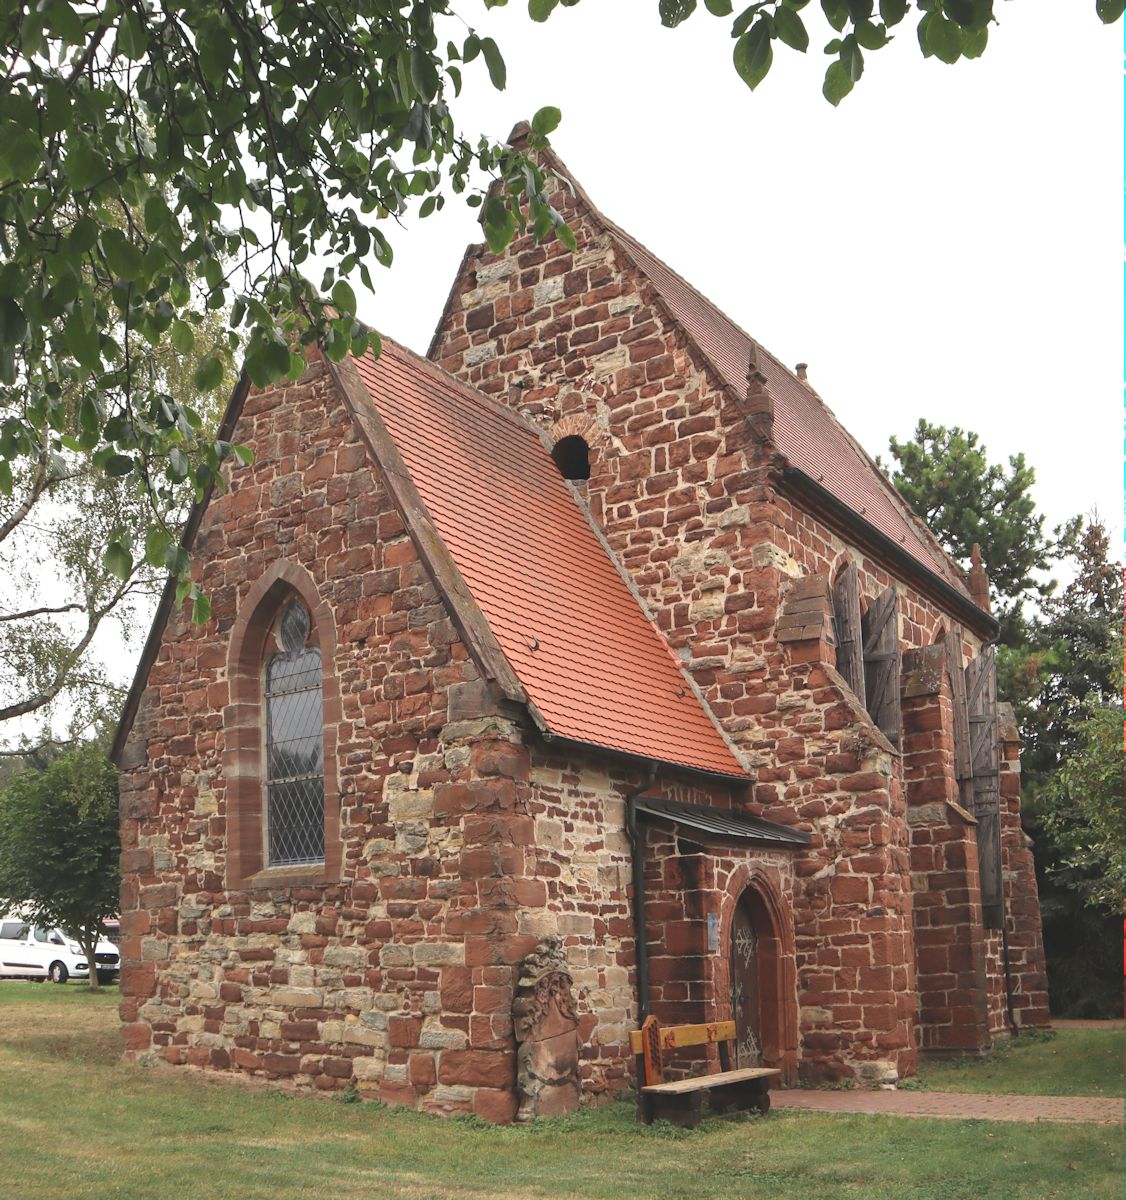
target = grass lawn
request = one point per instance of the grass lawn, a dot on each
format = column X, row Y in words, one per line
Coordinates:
column 79, row 1123
column 1069, row 1062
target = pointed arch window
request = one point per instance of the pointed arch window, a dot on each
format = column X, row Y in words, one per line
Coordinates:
column 294, row 702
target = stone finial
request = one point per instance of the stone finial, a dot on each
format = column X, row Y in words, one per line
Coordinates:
column 759, row 401
column 801, row 370
column 979, row 580
column 546, row 1026
column 518, row 138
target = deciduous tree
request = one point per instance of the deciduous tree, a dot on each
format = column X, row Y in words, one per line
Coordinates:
column 59, row 845
column 947, row 30
column 161, row 159
column 57, row 593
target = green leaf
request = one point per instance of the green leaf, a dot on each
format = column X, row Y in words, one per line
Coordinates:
column 183, row 337
column 871, row 36
column 969, row 14
column 546, row 121
column 157, row 540
column 790, row 29
column 118, row 561
column 216, row 52
column 500, row 224
column 178, row 465
column 201, row 609
column 156, row 212
column 974, row 42
column 540, row 10
column 838, row 83
column 13, row 324
column 209, row 374
column 673, row 12
column 495, row 63
column 893, row 11
column 1109, row 11
column 836, row 12
column 424, row 75
column 244, row 454
column 122, row 257
column 5, row 478
column 117, row 465
column 753, row 54
column 344, row 298
column 132, row 41
column 940, row 37
column 718, row 8
column 83, row 236
column 21, row 154
column 851, row 58
column 82, row 341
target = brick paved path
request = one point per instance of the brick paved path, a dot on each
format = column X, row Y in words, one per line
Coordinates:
column 955, row 1105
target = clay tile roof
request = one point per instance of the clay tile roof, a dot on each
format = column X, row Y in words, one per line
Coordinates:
column 591, row 662
column 805, row 430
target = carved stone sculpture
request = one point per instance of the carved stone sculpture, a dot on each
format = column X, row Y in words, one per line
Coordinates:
column 547, row 1033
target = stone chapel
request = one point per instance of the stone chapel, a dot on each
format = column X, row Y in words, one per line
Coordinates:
column 587, row 667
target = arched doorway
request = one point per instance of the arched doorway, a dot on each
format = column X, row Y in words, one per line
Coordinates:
column 754, row 964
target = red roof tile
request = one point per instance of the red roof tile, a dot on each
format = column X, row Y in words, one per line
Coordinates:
column 592, row 663
column 805, row 430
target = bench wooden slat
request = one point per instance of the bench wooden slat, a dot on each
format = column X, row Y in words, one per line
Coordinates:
column 705, row 1083
column 674, row 1037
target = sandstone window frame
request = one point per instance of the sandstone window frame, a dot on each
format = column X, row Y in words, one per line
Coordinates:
column 251, row 645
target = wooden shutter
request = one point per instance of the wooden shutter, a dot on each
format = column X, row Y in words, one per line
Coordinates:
column 985, row 775
column 880, row 630
column 846, row 625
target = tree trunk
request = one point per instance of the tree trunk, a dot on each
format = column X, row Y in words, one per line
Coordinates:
column 89, row 944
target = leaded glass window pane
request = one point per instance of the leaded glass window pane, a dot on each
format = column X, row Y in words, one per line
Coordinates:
column 294, row 746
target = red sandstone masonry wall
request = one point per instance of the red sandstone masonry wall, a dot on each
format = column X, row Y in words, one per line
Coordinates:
column 681, row 485
column 392, row 974
column 1027, row 970
column 686, row 497
column 950, row 942
column 582, row 859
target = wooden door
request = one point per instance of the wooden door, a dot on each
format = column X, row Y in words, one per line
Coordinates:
column 746, row 989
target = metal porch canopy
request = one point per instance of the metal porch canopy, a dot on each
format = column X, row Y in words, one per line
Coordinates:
column 722, row 822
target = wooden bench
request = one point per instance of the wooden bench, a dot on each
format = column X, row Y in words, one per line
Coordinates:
column 681, row 1100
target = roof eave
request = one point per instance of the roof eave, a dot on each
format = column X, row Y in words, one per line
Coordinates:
column 959, row 605
column 567, row 743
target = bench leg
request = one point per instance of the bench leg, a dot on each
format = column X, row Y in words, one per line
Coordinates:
column 679, row 1110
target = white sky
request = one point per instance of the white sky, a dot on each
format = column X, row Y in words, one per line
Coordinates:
column 946, row 243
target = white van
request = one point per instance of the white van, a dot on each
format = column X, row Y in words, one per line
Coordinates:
column 33, row 952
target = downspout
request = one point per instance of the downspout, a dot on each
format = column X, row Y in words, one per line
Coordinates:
column 637, row 851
